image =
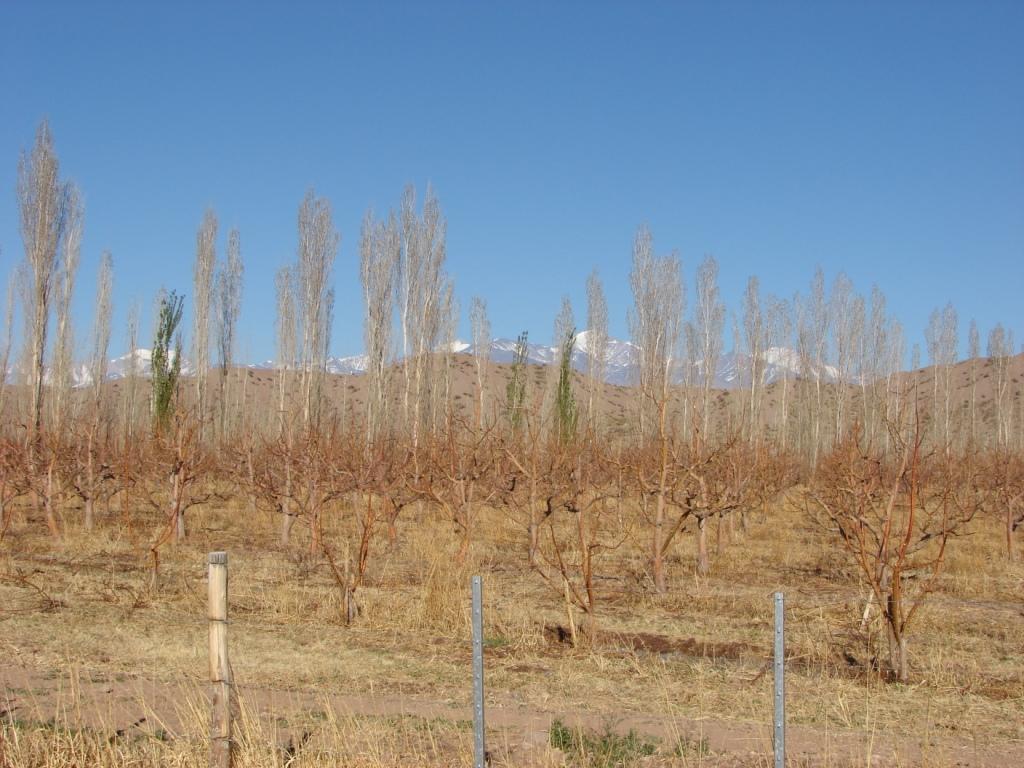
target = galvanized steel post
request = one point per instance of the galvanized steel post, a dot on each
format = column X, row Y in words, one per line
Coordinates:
column 779, row 731
column 479, row 750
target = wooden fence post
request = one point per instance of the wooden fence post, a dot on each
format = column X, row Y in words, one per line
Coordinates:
column 220, row 666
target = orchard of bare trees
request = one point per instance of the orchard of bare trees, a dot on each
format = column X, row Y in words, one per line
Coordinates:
column 895, row 465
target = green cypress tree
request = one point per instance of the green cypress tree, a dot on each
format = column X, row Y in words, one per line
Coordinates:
column 515, row 392
column 566, row 410
column 166, row 361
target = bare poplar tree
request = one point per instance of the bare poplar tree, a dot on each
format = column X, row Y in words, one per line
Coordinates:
column 450, row 322
column 648, row 323
column 1000, row 348
column 284, row 284
column 877, row 367
column 948, row 342
column 654, row 323
column 131, row 385
column 202, row 275
column 421, row 286
column 859, row 345
column 229, row 306
column 406, row 273
column 895, row 358
column 817, row 326
column 43, row 204
column 481, row 329
column 5, row 354
column 780, row 323
column 379, row 250
column 932, row 340
column 70, row 254
column 709, row 320
column 840, row 309
column 754, row 336
column 973, row 353
column 101, row 328
column 941, row 339
column 318, row 246
column 597, row 346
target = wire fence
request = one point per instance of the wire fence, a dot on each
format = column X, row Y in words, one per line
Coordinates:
column 222, row 684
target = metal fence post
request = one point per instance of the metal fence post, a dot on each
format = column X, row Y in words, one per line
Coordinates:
column 779, row 731
column 479, row 751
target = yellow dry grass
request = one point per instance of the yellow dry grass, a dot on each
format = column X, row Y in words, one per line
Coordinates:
column 81, row 626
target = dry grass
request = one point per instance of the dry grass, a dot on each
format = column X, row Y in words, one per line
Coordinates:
column 392, row 689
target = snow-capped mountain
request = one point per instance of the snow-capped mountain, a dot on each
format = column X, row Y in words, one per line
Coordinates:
column 734, row 369
column 622, row 358
column 121, row 367
column 348, row 365
column 337, row 365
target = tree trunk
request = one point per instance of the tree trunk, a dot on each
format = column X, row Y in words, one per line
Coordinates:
column 703, row 564
column 534, row 526
column 51, row 516
column 286, row 506
column 897, row 654
column 252, row 478
column 176, row 510
column 657, row 556
column 657, row 543
column 287, row 521
column 1010, row 554
column 90, row 473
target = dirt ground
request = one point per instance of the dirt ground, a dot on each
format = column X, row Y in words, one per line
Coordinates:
column 90, row 646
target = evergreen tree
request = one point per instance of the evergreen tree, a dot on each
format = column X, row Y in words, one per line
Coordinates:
column 515, row 392
column 166, row 361
column 565, row 403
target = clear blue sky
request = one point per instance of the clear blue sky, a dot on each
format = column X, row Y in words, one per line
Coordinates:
column 883, row 139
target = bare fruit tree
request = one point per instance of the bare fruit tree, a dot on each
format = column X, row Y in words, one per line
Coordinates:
column 894, row 517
